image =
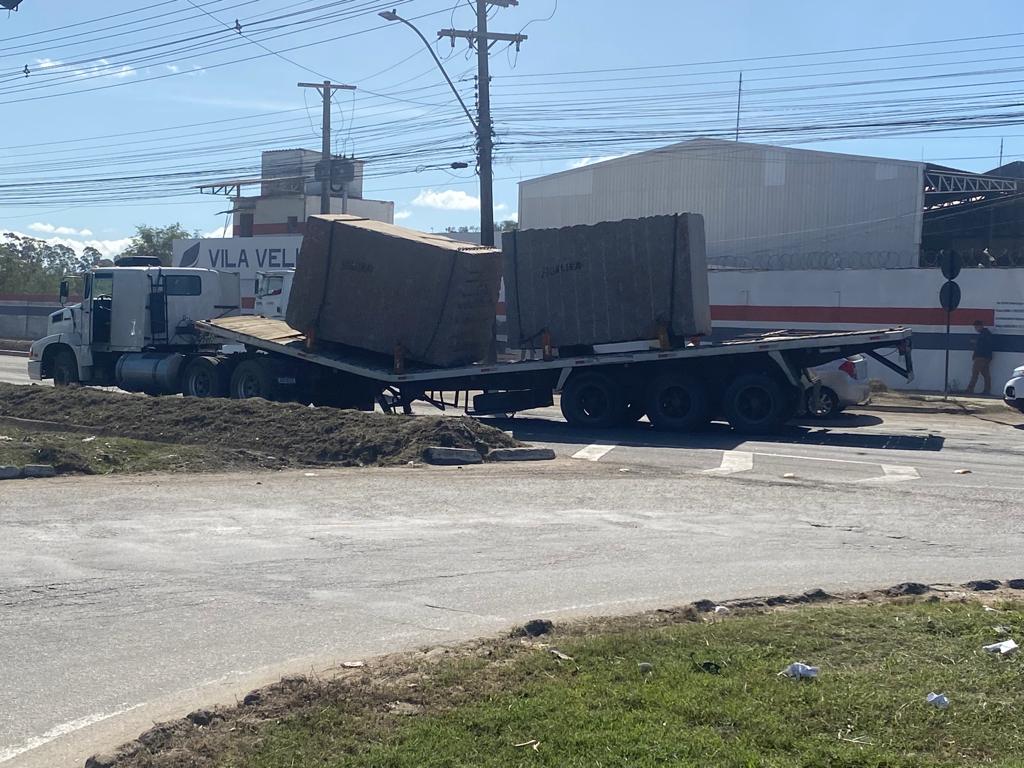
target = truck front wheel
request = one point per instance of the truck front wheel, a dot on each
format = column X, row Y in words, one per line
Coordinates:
column 677, row 403
column 64, row 368
column 204, row 377
column 593, row 400
column 252, row 378
column 754, row 403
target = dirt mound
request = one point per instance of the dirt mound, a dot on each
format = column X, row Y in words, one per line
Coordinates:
column 293, row 434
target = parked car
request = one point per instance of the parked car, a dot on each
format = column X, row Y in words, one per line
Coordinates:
column 1013, row 392
column 844, row 382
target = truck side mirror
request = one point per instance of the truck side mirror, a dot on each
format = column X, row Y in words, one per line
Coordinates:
column 65, row 291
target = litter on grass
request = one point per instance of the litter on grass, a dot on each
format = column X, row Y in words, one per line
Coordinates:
column 938, row 700
column 799, row 670
column 1004, row 648
column 721, row 609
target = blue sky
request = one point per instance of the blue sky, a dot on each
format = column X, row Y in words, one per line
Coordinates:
column 118, row 91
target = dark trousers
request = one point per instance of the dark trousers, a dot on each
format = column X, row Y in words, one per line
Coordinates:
column 981, row 368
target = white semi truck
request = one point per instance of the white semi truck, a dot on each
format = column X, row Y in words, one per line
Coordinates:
column 159, row 330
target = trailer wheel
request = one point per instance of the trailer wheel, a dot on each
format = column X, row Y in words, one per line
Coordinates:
column 593, row 400
column 252, row 378
column 64, row 368
column 677, row 402
column 204, row 377
column 755, row 404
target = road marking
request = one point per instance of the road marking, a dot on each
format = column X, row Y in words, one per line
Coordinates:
column 593, row 452
column 732, row 462
column 894, row 473
column 58, row 731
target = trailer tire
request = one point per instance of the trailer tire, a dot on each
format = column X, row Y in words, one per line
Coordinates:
column 64, row 367
column 253, row 378
column 204, row 377
column 754, row 403
column 677, row 402
column 593, row 400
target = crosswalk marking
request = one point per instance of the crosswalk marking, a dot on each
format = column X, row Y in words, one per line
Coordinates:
column 733, row 462
column 594, row 452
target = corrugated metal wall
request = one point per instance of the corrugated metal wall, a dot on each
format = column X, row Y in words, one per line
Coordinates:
column 764, row 207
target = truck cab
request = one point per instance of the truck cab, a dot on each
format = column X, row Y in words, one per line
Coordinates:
column 273, row 287
column 128, row 313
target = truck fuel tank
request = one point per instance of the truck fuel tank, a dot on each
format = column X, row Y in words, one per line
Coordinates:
column 156, row 373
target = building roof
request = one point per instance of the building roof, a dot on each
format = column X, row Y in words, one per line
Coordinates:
column 722, row 144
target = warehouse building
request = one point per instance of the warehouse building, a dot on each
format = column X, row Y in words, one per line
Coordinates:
column 821, row 241
column 768, row 207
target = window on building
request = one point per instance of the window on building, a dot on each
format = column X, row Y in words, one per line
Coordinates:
column 245, row 222
column 293, row 225
column 183, row 285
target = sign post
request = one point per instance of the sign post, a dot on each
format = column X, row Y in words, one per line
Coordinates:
column 949, row 299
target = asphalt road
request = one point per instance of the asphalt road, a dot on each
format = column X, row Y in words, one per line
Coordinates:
column 14, row 370
column 128, row 600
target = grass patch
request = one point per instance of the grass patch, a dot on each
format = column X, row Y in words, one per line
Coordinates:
column 75, row 453
column 488, row 704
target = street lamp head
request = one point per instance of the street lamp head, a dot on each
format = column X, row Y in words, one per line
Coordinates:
column 389, row 15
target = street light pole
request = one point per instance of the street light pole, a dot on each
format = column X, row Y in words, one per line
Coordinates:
column 480, row 38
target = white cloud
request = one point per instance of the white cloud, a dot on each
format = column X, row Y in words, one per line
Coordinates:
column 224, row 231
column 172, row 68
column 402, row 215
column 591, row 160
column 52, row 229
column 48, row 63
column 104, row 68
column 108, row 248
column 500, row 207
column 447, row 200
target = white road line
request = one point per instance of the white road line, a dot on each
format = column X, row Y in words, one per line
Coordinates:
column 894, row 473
column 732, row 462
column 593, row 452
column 9, row 753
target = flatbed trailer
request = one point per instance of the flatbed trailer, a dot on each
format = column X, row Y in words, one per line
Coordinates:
column 755, row 383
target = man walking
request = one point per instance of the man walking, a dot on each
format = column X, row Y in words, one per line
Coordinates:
column 982, row 358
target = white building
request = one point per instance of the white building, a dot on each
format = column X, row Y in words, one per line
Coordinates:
column 823, row 241
column 764, row 207
column 290, row 193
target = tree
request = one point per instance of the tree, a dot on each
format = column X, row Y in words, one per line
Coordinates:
column 28, row 265
column 508, row 225
column 156, row 241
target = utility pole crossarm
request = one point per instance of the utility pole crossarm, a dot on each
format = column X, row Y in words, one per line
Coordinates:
column 470, row 34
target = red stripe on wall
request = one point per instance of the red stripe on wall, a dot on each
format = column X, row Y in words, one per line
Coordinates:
column 271, row 229
column 881, row 316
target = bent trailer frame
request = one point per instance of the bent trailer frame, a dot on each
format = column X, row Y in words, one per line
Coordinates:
column 275, row 336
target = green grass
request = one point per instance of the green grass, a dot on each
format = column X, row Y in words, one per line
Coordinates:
column 867, row 708
column 74, row 453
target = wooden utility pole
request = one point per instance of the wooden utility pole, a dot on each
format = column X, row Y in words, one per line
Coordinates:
column 481, row 38
column 326, row 88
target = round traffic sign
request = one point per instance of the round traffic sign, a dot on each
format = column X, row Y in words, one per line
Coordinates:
column 950, row 264
column 949, row 296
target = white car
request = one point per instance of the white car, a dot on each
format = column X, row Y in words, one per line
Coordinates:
column 1013, row 392
column 844, row 382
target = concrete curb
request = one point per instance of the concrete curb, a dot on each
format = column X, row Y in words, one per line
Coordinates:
column 520, row 454
column 451, row 456
column 29, row 470
column 14, row 352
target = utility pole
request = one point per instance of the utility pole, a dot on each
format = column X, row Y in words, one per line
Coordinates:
column 326, row 88
column 739, row 100
column 481, row 38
